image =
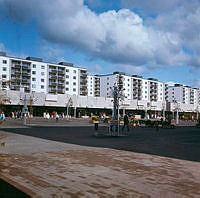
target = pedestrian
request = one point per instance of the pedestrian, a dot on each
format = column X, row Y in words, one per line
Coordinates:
column 57, row 117
column 126, row 122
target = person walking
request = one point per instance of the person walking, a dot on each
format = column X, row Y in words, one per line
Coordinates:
column 126, row 122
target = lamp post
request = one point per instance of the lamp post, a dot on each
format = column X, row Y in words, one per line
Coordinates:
column 25, row 109
column 164, row 107
column 69, row 104
column 177, row 111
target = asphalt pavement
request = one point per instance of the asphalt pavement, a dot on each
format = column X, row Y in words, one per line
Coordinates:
column 180, row 143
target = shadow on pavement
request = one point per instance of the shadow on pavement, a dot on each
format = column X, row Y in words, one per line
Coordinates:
column 181, row 143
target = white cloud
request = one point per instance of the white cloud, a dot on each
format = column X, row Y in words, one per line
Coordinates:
column 130, row 69
column 51, row 53
column 120, row 37
column 151, row 6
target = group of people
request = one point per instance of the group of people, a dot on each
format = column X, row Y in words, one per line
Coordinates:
column 54, row 115
column 20, row 115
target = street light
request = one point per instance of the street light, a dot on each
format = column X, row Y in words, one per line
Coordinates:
column 177, row 108
column 25, row 109
column 164, row 107
column 69, row 104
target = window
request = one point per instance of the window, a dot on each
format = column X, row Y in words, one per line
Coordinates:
column 42, row 67
column 4, row 61
column 34, row 65
column 67, row 83
column 107, row 83
column 67, row 89
column 67, row 76
column 74, row 71
column 42, row 73
column 128, row 85
column 33, row 72
column 74, row 77
column 74, row 83
column 4, row 69
column 42, row 80
column 42, row 86
column 145, row 91
column 4, row 76
column 90, row 93
column 107, row 78
column 33, row 79
column 67, row 70
column 74, row 89
column 33, row 86
column 128, row 79
column 145, row 82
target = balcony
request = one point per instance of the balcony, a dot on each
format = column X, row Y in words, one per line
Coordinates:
column 83, row 76
column 53, row 71
column 60, row 91
column 26, row 68
column 53, row 85
column 84, row 93
column 52, row 91
column 83, row 88
column 61, row 86
column 26, row 74
column 14, row 66
column 52, row 77
column 15, row 87
column 25, row 81
column 60, row 73
column 61, row 79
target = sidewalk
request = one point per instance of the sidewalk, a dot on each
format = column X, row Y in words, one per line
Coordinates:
column 44, row 168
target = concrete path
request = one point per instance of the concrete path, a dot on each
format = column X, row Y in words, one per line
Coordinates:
column 44, row 168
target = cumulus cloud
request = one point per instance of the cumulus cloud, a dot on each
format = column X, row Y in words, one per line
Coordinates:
column 51, row 53
column 151, row 6
column 121, row 37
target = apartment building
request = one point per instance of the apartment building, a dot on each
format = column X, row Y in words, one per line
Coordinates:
column 182, row 94
column 35, row 75
column 134, row 87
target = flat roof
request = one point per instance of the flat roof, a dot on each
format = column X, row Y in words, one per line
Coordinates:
column 31, row 59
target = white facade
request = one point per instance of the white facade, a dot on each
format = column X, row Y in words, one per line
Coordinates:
column 34, row 75
column 183, row 94
column 4, row 71
column 91, row 85
column 134, row 87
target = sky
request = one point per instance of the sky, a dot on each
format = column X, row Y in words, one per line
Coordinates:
column 152, row 38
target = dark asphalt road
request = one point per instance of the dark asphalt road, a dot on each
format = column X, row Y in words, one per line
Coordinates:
column 181, row 143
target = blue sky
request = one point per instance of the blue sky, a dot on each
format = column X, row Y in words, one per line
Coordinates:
column 152, row 38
